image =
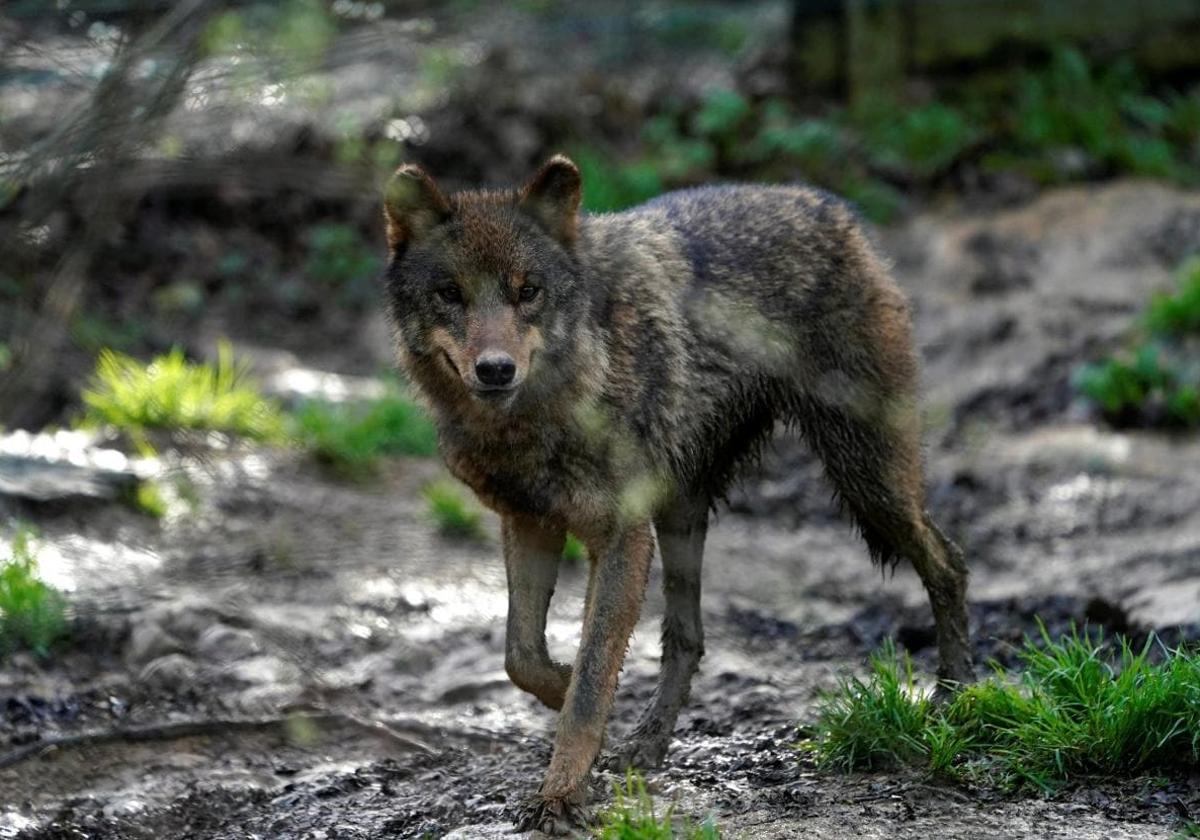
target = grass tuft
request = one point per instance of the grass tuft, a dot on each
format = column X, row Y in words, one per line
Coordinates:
column 33, row 614
column 148, row 498
column 1076, row 711
column 352, row 438
column 632, row 816
column 877, row 723
column 574, row 551
column 172, row 393
column 453, row 513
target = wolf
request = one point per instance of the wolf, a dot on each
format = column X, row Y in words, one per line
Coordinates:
column 607, row 375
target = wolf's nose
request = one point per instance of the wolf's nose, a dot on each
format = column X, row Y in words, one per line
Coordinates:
column 495, row 369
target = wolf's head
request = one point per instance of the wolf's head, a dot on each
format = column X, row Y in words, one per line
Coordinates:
column 479, row 283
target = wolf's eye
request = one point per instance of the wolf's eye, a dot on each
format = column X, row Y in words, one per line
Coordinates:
column 528, row 293
column 450, row 294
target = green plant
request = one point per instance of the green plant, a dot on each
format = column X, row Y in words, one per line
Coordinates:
column 695, row 25
column 339, row 257
column 33, row 614
column 924, row 141
column 1143, row 383
column 172, row 393
column 721, row 115
column 1075, row 711
column 1178, row 313
column 148, row 497
column 94, row 333
column 574, row 551
column 875, row 723
column 1105, row 113
column 817, row 145
column 632, row 816
column 354, row 437
column 609, row 185
column 1156, row 379
column 454, row 515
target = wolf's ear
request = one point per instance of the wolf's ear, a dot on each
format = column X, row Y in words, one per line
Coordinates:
column 552, row 197
column 412, row 204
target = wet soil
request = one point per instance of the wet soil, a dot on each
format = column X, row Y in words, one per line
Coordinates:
column 285, row 592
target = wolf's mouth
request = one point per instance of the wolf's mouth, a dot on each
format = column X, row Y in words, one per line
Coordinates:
column 494, row 394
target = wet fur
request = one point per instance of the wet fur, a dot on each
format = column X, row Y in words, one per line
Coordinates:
column 669, row 341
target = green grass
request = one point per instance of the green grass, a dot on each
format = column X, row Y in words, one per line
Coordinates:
column 574, row 551
column 1155, row 380
column 353, row 438
column 33, row 615
column 172, row 393
column 1178, row 313
column 339, row 257
column 1076, row 711
column 148, row 498
column 633, row 816
column 449, row 508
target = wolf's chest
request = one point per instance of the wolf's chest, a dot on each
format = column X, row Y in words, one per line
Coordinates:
column 559, row 483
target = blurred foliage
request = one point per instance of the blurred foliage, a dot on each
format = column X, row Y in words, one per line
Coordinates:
column 172, row 393
column 1106, row 116
column 574, row 551
column 147, row 497
column 93, row 332
column 340, row 258
column 352, row 438
column 1063, row 122
column 694, row 25
column 609, row 186
column 33, row 614
column 632, row 816
column 293, row 35
column 454, row 515
column 1156, row 380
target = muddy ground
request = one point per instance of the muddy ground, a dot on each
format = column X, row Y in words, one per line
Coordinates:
column 288, row 594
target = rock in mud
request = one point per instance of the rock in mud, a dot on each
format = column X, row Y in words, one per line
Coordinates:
column 149, row 641
column 1006, row 264
column 61, row 467
column 173, row 672
column 264, row 670
column 227, row 644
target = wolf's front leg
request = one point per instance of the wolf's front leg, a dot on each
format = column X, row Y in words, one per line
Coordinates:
column 618, row 586
column 531, row 558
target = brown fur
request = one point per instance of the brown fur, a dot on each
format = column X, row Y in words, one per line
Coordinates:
column 654, row 351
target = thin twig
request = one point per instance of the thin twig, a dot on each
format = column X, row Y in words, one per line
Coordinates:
column 211, row 727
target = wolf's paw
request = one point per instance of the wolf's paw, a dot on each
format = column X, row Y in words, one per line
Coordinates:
column 551, row 815
column 638, row 753
column 952, row 680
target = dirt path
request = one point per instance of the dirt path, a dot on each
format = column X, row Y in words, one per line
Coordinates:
column 286, row 591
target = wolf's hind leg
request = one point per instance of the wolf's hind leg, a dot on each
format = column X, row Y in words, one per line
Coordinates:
column 873, row 460
column 681, row 532
column 531, row 559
